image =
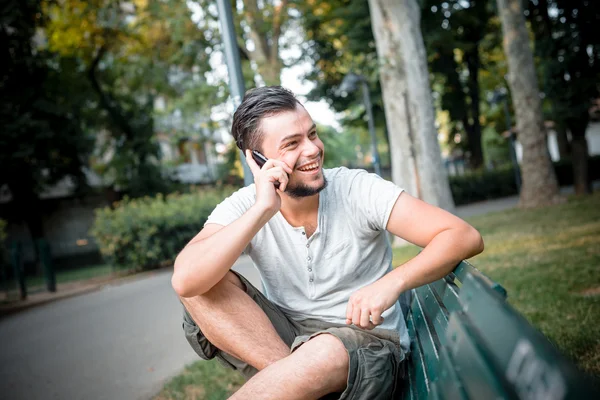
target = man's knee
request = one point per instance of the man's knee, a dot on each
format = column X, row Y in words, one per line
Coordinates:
column 326, row 354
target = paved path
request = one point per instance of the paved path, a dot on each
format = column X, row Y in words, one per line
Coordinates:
column 121, row 342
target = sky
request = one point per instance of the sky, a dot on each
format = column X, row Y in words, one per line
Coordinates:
column 290, row 77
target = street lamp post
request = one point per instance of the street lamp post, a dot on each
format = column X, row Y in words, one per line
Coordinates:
column 349, row 84
column 234, row 67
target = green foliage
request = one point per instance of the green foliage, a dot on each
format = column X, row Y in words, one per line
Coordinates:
column 147, row 232
column 486, row 185
column 483, row 185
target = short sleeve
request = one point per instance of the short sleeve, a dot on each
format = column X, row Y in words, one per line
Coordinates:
column 233, row 207
column 371, row 199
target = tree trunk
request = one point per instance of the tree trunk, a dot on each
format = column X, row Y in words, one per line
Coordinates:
column 564, row 148
column 432, row 173
column 266, row 41
column 474, row 134
column 539, row 180
column 579, row 152
column 394, row 86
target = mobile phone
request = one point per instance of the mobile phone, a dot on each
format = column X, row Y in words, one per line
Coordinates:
column 261, row 160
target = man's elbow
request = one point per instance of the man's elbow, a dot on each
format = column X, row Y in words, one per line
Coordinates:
column 475, row 242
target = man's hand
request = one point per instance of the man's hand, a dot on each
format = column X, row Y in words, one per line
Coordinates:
column 367, row 304
column 267, row 196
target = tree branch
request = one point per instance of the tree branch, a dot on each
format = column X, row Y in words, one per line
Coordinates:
column 105, row 99
column 279, row 14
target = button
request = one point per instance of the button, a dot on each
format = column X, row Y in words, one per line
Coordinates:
column 304, row 233
column 310, row 280
column 308, row 258
column 310, row 270
column 307, row 245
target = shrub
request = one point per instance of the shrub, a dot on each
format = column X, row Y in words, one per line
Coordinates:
column 147, row 232
column 485, row 185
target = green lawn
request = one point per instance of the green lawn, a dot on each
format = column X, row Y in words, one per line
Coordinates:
column 547, row 259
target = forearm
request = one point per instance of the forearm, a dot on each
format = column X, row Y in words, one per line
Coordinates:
column 202, row 264
column 437, row 259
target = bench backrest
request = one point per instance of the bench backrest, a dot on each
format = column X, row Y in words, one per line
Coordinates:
column 468, row 343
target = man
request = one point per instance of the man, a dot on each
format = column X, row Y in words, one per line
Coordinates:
column 330, row 323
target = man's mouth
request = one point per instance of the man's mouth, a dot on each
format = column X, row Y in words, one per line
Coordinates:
column 312, row 167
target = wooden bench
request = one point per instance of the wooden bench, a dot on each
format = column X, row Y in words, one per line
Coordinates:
column 468, row 343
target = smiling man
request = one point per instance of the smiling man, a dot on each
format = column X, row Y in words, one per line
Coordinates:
column 329, row 323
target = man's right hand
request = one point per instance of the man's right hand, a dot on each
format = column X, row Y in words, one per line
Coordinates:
column 267, row 196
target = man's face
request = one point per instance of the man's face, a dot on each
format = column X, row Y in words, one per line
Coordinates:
column 291, row 137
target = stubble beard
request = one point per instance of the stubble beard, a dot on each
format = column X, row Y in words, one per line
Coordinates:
column 300, row 190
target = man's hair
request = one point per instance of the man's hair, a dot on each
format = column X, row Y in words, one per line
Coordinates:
column 257, row 104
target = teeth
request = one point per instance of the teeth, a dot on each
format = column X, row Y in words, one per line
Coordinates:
column 310, row 166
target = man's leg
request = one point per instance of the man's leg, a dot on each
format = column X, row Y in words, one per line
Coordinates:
column 317, row 368
column 234, row 323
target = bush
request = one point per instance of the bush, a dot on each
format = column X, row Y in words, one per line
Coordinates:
column 486, row 185
column 483, row 185
column 148, row 232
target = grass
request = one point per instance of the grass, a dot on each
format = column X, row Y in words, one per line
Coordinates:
column 38, row 283
column 547, row 259
column 549, row 262
column 71, row 275
column 202, row 380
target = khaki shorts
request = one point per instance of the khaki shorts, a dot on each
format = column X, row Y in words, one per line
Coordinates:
column 376, row 359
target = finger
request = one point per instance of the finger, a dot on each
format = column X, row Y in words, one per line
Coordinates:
column 283, row 181
column 349, row 310
column 271, row 163
column 365, row 315
column 251, row 163
column 356, row 316
column 376, row 317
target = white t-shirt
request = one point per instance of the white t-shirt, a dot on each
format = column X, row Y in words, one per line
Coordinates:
column 314, row 277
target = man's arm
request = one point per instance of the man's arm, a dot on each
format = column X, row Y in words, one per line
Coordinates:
column 207, row 257
column 446, row 240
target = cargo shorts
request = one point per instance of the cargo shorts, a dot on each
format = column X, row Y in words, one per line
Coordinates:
column 376, row 367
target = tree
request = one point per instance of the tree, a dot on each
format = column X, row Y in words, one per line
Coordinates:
column 132, row 53
column 568, row 46
column 539, row 181
column 406, row 50
column 455, row 33
column 43, row 138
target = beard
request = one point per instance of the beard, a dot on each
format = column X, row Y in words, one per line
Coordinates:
column 301, row 190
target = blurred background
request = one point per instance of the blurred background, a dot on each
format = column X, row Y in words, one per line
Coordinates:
column 115, row 118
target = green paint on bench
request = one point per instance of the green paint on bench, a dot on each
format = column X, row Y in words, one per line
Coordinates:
column 468, row 343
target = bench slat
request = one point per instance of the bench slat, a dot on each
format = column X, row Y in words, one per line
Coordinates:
column 465, row 269
column 448, row 381
column 447, row 290
column 479, row 374
column 435, row 310
column 525, row 357
column 418, row 379
column 426, row 335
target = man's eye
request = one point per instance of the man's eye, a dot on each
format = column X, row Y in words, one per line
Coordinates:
column 313, row 134
column 290, row 144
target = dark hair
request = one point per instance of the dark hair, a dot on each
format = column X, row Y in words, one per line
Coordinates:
column 257, row 104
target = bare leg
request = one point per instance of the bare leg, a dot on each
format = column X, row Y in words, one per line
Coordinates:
column 234, row 323
column 318, row 367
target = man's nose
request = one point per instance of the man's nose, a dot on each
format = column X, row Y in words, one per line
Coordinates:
column 311, row 150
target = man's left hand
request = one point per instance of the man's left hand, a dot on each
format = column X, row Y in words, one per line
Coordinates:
column 367, row 304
